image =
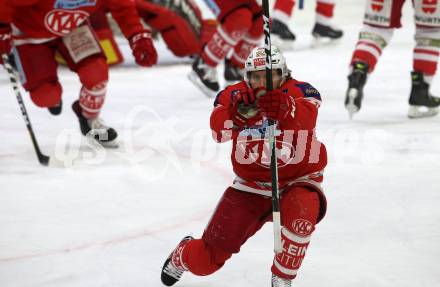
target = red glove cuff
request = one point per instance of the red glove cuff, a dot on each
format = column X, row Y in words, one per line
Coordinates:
column 146, row 34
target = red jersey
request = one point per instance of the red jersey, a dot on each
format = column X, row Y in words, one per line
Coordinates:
column 37, row 21
column 301, row 157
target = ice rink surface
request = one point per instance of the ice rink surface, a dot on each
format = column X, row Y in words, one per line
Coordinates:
column 112, row 218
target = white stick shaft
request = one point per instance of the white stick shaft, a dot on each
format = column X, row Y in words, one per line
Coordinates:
column 278, row 246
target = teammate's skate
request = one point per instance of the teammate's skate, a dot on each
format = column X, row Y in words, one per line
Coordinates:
column 95, row 128
column 56, row 110
column 173, row 267
column 232, row 73
column 356, row 82
column 204, row 77
column 280, row 282
column 421, row 102
column 281, row 35
column 328, row 32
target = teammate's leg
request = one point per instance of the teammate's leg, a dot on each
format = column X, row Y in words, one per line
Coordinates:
column 323, row 21
column 38, row 74
column 234, row 65
column 379, row 25
column 282, row 36
column 425, row 59
column 235, row 21
column 92, row 70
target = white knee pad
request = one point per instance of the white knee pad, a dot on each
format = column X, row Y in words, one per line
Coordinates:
column 427, row 37
column 380, row 37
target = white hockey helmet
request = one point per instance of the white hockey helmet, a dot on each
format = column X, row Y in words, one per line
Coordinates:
column 256, row 61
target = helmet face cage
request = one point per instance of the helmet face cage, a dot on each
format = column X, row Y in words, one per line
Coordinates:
column 256, row 61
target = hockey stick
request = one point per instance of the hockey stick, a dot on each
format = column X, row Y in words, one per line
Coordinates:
column 276, row 215
column 43, row 159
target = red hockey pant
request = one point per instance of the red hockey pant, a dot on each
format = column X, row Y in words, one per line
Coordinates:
column 38, row 70
column 238, row 216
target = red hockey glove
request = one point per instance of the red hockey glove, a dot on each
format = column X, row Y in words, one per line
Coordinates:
column 5, row 40
column 243, row 106
column 143, row 49
column 276, row 105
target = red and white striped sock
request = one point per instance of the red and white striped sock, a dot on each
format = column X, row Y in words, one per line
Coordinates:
column 426, row 52
column 243, row 49
column 371, row 42
column 324, row 11
column 228, row 34
column 287, row 263
column 217, row 48
column 283, row 10
column 92, row 100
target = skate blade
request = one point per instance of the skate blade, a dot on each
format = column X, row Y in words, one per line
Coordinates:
column 110, row 144
column 418, row 112
column 323, row 42
column 198, row 83
column 352, row 109
column 350, row 106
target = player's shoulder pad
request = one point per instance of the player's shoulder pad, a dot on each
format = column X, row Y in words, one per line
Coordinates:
column 308, row 90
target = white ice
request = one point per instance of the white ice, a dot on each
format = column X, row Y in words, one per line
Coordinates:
column 112, row 218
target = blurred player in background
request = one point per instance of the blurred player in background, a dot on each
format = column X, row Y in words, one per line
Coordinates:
column 241, row 113
column 282, row 12
column 179, row 23
column 380, row 20
column 40, row 28
column 240, row 30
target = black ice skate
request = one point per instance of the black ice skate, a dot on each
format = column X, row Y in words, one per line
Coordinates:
column 326, row 32
column 204, row 77
column 56, row 110
column 95, row 128
column 233, row 73
column 421, row 102
column 325, row 35
column 280, row 282
column 173, row 267
column 281, row 35
column 356, row 82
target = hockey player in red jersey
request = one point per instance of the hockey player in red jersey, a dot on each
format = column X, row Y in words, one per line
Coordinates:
column 241, row 114
column 42, row 27
column 380, row 20
column 240, row 30
column 283, row 10
column 179, row 23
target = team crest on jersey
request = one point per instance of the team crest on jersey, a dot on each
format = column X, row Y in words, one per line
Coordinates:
column 377, row 5
column 429, row 6
column 258, row 151
column 73, row 4
column 302, row 227
column 62, row 22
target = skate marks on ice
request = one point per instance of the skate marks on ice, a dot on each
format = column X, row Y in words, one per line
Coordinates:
column 151, row 231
